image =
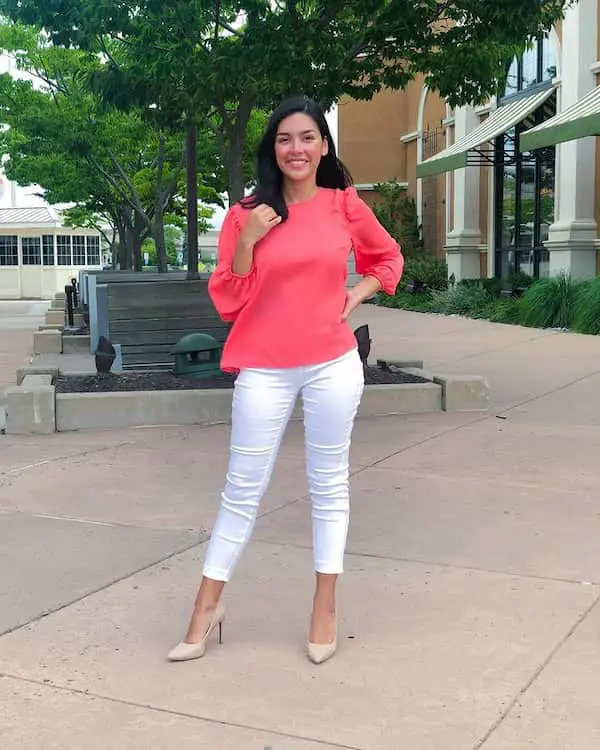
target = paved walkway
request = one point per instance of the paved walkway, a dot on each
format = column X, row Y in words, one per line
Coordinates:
column 469, row 614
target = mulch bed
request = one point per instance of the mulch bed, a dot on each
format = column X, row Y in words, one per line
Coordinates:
column 166, row 381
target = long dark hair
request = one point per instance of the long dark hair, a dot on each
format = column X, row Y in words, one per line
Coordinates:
column 331, row 173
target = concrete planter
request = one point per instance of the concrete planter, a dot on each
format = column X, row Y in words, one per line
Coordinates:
column 33, row 406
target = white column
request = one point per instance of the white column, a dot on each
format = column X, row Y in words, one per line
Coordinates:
column 572, row 237
column 463, row 243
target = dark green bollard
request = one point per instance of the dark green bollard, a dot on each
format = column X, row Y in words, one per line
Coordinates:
column 197, row 355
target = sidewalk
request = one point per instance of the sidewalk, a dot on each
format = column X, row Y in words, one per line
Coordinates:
column 17, row 322
column 469, row 612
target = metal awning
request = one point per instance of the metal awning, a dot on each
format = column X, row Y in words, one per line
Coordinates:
column 500, row 120
column 577, row 121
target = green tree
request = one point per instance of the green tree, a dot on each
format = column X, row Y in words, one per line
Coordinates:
column 114, row 165
column 397, row 212
column 215, row 62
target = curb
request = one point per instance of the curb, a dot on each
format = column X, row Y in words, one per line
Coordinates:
column 86, row 411
column 459, row 392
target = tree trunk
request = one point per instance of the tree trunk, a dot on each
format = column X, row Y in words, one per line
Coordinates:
column 158, row 234
column 139, row 225
column 119, row 249
column 235, row 153
column 127, row 265
column 235, row 177
column 192, row 202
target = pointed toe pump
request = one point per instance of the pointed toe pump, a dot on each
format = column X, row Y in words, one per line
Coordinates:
column 187, row 651
column 320, row 652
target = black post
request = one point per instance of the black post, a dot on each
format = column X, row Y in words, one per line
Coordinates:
column 69, row 300
column 192, row 203
column 75, row 293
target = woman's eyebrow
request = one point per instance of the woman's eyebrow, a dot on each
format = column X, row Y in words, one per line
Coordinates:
column 303, row 132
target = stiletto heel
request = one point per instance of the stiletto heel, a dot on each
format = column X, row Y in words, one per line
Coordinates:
column 186, row 651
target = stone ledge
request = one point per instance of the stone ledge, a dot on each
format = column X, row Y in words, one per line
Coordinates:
column 83, row 411
column 30, row 407
column 459, row 392
column 23, row 372
column 78, row 344
column 55, row 317
column 47, row 342
column 58, row 317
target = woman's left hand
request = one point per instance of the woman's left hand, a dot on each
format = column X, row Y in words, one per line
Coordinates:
column 362, row 291
column 353, row 300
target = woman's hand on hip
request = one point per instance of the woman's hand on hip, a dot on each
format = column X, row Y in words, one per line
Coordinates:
column 260, row 222
column 353, row 300
column 362, row 291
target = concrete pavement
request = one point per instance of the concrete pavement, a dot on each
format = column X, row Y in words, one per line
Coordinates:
column 469, row 613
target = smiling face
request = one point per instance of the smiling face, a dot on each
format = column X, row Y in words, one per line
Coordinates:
column 299, row 148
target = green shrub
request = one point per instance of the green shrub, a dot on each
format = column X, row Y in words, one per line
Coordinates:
column 586, row 315
column 493, row 286
column 397, row 212
column 549, row 303
column 464, row 300
column 504, row 311
column 403, row 300
column 427, row 270
column 519, row 280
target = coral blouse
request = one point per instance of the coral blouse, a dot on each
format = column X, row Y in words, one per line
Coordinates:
column 286, row 310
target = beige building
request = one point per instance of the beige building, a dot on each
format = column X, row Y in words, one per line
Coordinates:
column 512, row 186
column 39, row 256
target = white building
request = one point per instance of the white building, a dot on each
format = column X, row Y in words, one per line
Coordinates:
column 38, row 254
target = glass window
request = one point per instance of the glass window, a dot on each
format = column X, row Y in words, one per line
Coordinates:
column 512, row 78
column 535, row 66
column 529, row 67
column 63, row 249
column 93, row 250
column 9, row 250
column 549, row 67
column 524, row 201
column 32, row 251
column 78, row 251
column 48, row 249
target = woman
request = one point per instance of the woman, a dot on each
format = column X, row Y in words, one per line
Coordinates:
column 281, row 281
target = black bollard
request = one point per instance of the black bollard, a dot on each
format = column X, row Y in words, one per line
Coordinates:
column 363, row 340
column 69, row 303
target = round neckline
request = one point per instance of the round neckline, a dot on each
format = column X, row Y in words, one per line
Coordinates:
column 306, row 200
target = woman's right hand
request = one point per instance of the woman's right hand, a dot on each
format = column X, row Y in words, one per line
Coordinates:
column 259, row 223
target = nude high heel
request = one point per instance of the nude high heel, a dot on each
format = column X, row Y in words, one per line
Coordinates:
column 320, row 652
column 186, row 651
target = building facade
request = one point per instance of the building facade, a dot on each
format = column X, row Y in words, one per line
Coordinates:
column 506, row 188
column 38, row 255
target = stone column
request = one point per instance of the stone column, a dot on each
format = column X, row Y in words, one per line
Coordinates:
column 572, row 238
column 463, row 242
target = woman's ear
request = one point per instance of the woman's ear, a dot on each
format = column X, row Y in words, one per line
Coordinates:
column 325, row 147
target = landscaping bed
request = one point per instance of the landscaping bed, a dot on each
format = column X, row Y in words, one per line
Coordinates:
column 166, row 381
column 558, row 303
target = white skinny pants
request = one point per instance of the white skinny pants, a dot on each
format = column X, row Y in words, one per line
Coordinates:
column 263, row 401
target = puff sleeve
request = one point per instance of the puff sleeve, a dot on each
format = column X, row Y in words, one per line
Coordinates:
column 229, row 291
column 377, row 253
